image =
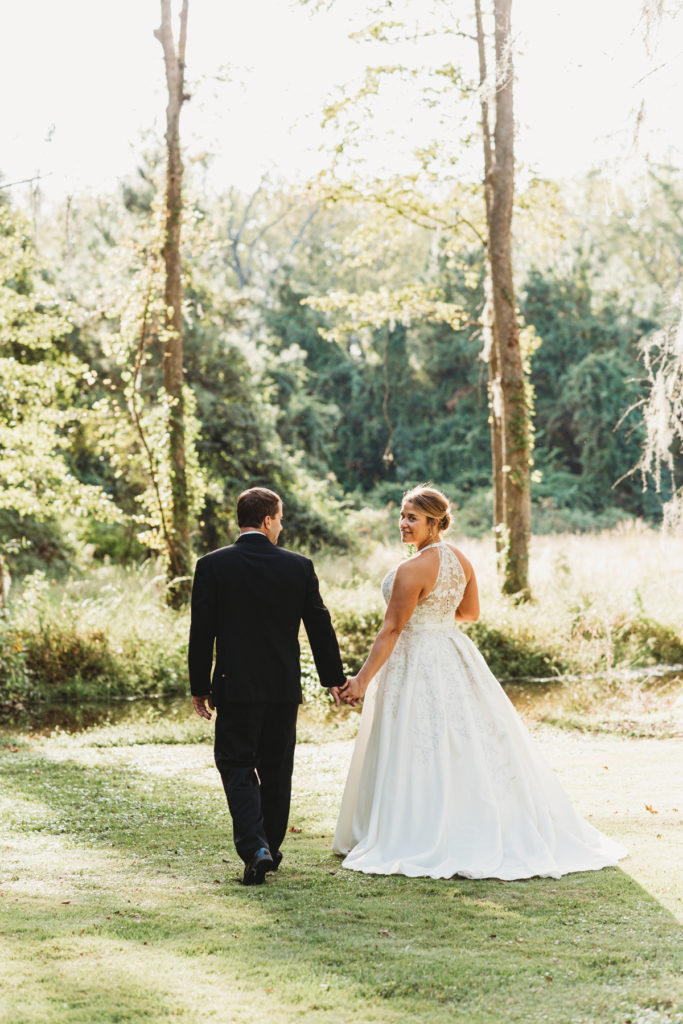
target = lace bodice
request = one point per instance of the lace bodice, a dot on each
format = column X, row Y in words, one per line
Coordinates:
column 439, row 607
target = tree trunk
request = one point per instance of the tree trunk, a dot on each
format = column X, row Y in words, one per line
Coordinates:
column 490, row 352
column 179, row 567
column 509, row 410
column 495, row 399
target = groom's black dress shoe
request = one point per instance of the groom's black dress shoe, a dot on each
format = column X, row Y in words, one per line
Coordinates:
column 255, row 870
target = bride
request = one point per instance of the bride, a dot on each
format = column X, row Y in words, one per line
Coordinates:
column 445, row 779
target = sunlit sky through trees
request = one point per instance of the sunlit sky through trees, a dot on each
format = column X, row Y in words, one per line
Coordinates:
column 83, row 84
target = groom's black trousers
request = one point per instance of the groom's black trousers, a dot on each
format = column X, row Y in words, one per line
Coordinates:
column 254, row 752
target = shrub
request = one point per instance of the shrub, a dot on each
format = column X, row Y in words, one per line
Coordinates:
column 15, row 681
column 645, row 642
column 355, row 633
column 63, row 662
column 514, row 655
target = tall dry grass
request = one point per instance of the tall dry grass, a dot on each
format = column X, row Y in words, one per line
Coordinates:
column 600, row 601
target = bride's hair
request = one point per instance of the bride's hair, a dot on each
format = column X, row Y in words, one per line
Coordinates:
column 431, row 503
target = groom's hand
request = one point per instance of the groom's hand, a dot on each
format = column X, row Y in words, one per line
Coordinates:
column 203, row 706
column 334, row 691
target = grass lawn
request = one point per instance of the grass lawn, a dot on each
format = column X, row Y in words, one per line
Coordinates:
column 120, row 902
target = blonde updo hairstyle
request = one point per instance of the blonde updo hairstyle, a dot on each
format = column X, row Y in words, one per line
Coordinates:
column 431, row 503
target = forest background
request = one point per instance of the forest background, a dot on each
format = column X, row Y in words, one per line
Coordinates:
column 334, row 349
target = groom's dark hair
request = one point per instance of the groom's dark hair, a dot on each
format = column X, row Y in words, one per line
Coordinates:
column 255, row 504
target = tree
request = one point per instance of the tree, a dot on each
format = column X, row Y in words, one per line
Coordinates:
column 44, row 504
column 445, row 86
column 510, row 435
column 174, row 60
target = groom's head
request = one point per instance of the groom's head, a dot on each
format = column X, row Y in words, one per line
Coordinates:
column 260, row 509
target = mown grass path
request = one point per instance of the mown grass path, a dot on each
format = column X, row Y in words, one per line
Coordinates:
column 120, row 900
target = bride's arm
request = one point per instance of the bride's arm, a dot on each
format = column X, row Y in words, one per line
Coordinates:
column 411, row 579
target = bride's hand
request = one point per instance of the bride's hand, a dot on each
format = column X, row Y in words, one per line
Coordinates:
column 352, row 692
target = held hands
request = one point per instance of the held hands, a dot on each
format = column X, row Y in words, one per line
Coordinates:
column 353, row 691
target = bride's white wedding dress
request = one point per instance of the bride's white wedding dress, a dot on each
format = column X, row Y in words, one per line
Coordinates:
column 445, row 778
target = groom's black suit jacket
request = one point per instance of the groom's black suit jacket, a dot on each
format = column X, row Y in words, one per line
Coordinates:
column 248, row 601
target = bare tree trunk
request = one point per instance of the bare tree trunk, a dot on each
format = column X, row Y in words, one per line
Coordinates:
column 509, row 410
column 490, row 353
column 179, row 569
column 5, row 583
column 495, row 399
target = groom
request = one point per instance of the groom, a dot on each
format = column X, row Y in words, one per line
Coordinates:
column 248, row 601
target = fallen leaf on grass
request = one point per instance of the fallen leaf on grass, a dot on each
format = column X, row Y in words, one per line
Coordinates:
column 494, row 936
column 547, row 976
column 383, row 931
column 295, row 828
column 519, row 938
column 64, row 902
column 650, row 808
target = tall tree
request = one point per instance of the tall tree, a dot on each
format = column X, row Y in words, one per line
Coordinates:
column 179, row 547
column 508, row 399
column 444, row 86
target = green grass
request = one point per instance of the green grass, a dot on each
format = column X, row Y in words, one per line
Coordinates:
column 120, row 899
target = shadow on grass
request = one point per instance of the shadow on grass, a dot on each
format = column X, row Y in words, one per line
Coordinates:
column 329, row 943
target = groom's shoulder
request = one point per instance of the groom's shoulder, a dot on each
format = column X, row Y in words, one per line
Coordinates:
column 293, row 557
column 234, row 550
column 211, row 557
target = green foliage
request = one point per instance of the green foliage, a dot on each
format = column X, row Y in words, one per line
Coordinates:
column 109, row 634
column 515, row 653
column 34, row 542
column 631, row 640
column 332, row 352
column 66, row 663
column 41, row 388
column 105, row 636
column 15, row 681
column 355, row 632
column 585, row 376
column 407, row 401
